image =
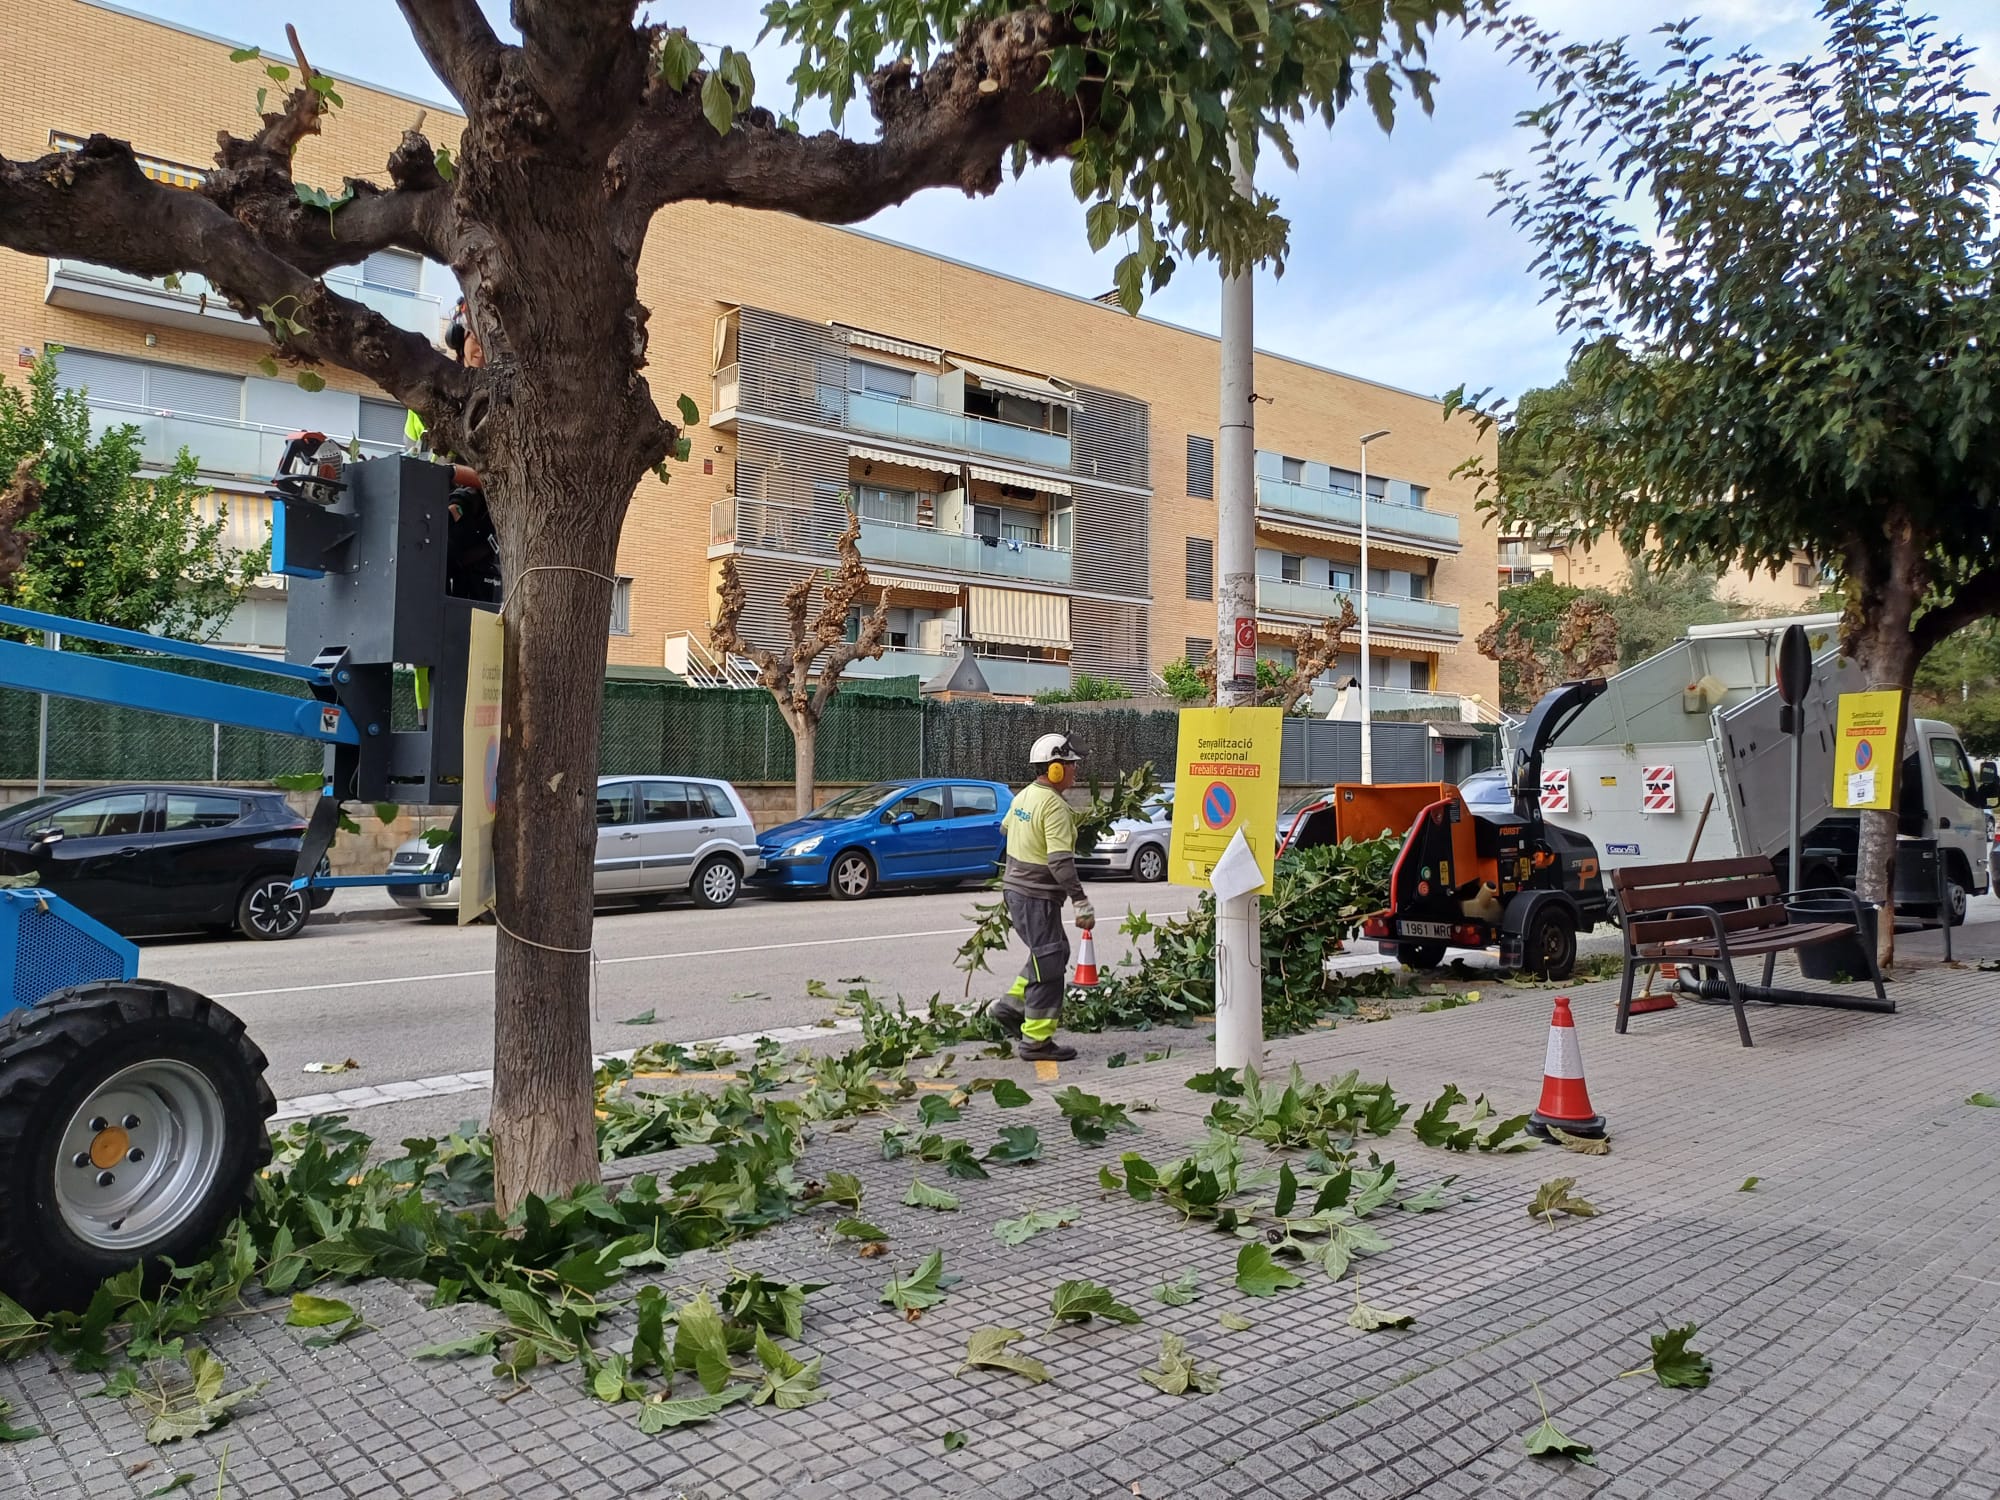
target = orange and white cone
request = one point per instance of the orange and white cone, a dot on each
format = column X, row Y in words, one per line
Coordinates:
column 1086, row 960
column 1565, row 1101
column 1669, row 975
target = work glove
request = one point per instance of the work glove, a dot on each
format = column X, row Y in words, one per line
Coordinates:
column 1086, row 916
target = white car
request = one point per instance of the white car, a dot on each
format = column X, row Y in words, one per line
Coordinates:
column 656, row 835
column 1135, row 846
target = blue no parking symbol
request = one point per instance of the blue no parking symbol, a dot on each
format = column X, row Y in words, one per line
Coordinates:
column 1218, row 805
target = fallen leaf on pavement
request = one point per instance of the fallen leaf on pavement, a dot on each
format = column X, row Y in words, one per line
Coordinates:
column 333, row 1067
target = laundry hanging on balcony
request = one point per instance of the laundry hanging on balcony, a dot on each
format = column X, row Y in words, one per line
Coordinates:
column 1015, row 617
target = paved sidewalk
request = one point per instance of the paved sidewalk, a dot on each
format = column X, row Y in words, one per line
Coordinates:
column 1851, row 1306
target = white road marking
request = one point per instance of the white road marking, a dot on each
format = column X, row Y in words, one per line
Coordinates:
column 369, row 1096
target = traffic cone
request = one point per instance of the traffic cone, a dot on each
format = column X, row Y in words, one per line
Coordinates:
column 1565, row 1101
column 1669, row 975
column 1086, row 960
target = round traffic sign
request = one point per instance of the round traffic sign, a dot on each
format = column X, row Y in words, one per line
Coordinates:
column 1864, row 755
column 1218, row 805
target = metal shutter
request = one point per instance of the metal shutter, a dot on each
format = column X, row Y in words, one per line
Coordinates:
column 381, row 422
column 1200, row 568
column 104, row 376
column 195, row 393
column 1200, row 468
column 396, row 269
column 1199, row 647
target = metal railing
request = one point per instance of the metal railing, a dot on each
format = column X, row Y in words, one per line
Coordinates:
column 1385, row 611
column 811, row 530
column 935, row 428
column 249, row 450
column 690, row 656
column 417, row 312
column 1341, row 506
column 726, row 387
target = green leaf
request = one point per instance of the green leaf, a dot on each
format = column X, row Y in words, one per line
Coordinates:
column 716, row 104
column 387, row 812
column 1288, row 1191
column 701, row 1344
column 988, row 1349
column 1581, row 1145
column 923, row 1195
column 1090, row 1118
column 1983, row 1100
column 268, row 367
column 178, row 1482
column 644, row 1018
column 1554, row 1197
column 1234, row 1322
column 1035, row 1221
column 1434, row 1126
column 1224, row 1083
column 1018, row 1145
column 1100, row 223
column 1749, row 1184
column 447, row 168
column 311, row 381
column 1009, row 1094
column 953, row 1440
column 245, row 54
column 9, row 1433
column 859, row 1229
column 935, row 1109
column 1549, row 1441
column 1368, row 1319
column 788, row 1383
column 690, row 413
column 1080, row 1301
column 1677, row 1366
column 1507, row 1136
column 1175, row 1372
column 481, row 1344
column 659, row 1413
column 679, row 57
column 1182, row 1290
column 1129, row 278
column 277, row 72
column 19, row 1330
column 1258, row 1275
column 922, row 1288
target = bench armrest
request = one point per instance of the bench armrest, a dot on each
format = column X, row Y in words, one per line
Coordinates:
column 1851, row 897
column 1668, row 913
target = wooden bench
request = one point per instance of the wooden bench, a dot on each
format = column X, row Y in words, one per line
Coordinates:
column 1711, row 912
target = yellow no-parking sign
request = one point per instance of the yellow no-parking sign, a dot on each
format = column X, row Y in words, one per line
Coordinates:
column 1225, row 779
column 1864, row 749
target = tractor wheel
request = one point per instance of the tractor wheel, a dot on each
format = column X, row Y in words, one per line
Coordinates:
column 1550, row 949
column 131, row 1126
column 1419, row 955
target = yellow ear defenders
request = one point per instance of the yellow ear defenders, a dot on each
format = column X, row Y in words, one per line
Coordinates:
column 1057, row 771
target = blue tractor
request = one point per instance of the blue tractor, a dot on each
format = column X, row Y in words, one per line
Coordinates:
column 132, row 1112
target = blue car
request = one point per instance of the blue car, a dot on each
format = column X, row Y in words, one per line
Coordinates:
column 891, row 833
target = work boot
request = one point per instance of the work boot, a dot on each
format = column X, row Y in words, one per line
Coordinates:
column 1044, row 1051
column 1008, row 1017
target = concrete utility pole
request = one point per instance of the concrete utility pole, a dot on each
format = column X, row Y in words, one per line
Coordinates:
column 1239, row 990
column 1367, row 719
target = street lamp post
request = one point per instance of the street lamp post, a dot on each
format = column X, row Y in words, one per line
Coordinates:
column 1367, row 721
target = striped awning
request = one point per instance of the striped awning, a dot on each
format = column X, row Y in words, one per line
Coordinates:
column 1377, row 542
column 171, row 173
column 1016, row 382
column 1415, row 643
column 914, row 585
column 1015, row 617
column 860, row 338
column 907, row 460
column 1023, row 481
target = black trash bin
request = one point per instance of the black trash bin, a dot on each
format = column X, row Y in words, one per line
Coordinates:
column 1843, row 959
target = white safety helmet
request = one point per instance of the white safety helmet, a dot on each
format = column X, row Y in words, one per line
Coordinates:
column 1052, row 747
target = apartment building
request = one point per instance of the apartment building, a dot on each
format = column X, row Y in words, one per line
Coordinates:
column 1033, row 472
column 1795, row 589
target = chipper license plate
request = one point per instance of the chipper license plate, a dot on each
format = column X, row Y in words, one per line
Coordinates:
column 1424, row 929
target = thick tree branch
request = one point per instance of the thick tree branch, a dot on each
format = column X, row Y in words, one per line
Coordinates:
column 460, row 46
column 952, row 125
column 587, row 63
column 1978, row 598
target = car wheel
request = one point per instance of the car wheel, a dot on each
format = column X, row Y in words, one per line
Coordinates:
column 1956, row 897
column 1419, row 955
column 270, row 910
column 717, row 883
column 1149, row 864
column 131, row 1126
column 852, row 876
column 1550, row 950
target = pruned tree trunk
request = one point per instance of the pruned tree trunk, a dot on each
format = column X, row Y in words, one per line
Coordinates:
column 1877, row 635
column 805, row 748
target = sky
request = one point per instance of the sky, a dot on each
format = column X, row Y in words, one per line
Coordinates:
column 1397, row 270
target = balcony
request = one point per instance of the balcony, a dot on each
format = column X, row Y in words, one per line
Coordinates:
column 244, row 449
column 726, row 390
column 796, row 528
column 80, row 285
column 932, row 428
column 1008, row 677
column 1385, row 611
column 1341, row 508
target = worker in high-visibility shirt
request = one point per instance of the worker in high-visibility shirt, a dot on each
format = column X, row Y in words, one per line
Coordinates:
column 1040, row 876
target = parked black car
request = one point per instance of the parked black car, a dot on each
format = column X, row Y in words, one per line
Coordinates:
column 144, row 859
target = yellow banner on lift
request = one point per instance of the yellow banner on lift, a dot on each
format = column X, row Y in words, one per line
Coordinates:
column 1225, row 779
column 479, row 793
column 1864, row 751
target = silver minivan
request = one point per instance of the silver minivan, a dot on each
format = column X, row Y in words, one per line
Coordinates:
column 656, row 835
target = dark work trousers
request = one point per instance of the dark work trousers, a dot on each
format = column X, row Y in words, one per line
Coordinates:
column 1039, row 924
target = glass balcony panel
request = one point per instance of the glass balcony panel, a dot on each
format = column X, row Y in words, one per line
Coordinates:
column 943, row 429
column 245, row 449
column 1342, row 507
column 1385, row 611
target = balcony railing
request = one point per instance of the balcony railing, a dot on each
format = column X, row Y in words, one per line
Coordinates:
column 726, row 387
column 798, row 528
column 1342, row 508
column 245, row 449
column 99, row 288
column 1007, row 676
column 948, row 429
column 1385, row 611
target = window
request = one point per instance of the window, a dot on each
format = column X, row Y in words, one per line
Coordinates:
column 717, row 799
column 1020, row 525
column 1420, row 676
column 1198, row 649
column 381, row 422
column 1292, row 470
column 186, row 810
column 1291, row 569
column 974, row 802
column 898, row 507
column 394, row 270
column 617, row 805
column 1062, row 527
column 1420, row 586
column 157, row 388
column 117, row 816
column 1805, row 575
column 1953, row 774
column 926, row 806
column 1343, row 578
column 667, row 802
column 881, row 380
column 1200, row 468
column 1200, row 568
column 621, row 607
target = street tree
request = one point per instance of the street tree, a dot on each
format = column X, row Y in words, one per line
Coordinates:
column 83, row 533
column 1546, row 633
column 575, row 136
column 1315, row 650
column 805, row 675
column 1781, row 279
